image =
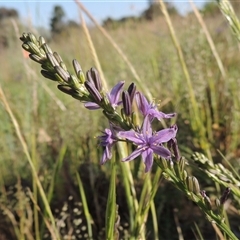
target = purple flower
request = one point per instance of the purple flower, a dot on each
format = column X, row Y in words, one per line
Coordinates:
column 113, row 97
column 150, row 109
column 107, row 140
column 149, row 143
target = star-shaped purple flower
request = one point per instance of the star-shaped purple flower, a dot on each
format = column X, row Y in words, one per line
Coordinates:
column 150, row 109
column 107, row 140
column 148, row 142
column 113, row 97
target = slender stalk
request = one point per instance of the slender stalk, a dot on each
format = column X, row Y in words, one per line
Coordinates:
column 111, row 215
column 25, row 150
column 85, row 206
column 93, row 51
column 196, row 122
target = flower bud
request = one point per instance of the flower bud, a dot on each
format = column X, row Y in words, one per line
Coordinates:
column 33, row 38
column 95, row 94
column 76, row 66
column 163, row 163
column 24, row 37
column 192, row 184
column 49, row 75
column 46, row 48
column 33, row 48
column 41, row 41
column 127, row 106
column 62, row 73
column 206, row 200
column 225, row 195
column 189, row 183
column 36, row 58
column 66, row 89
column 93, row 76
column 57, row 57
column 196, row 186
column 132, row 90
column 52, row 59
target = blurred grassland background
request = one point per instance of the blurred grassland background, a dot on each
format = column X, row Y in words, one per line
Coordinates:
column 64, row 135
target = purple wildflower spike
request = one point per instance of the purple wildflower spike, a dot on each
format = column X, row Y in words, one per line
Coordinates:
column 149, row 143
column 150, row 109
column 113, row 97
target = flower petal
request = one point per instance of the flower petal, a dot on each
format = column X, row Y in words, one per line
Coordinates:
column 146, row 128
column 147, row 157
column 133, row 155
column 161, row 151
column 142, row 103
column 107, row 154
column 132, row 136
column 91, row 106
column 115, row 93
column 159, row 115
column 164, row 135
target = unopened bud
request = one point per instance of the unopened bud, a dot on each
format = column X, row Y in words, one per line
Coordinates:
column 46, row 48
column 163, row 163
column 95, row 94
column 24, row 37
column 225, row 195
column 52, row 59
column 66, row 89
column 33, row 38
column 33, row 48
column 49, row 75
column 57, row 57
column 132, row 90
column 127, row 106
column 206, row 200
column 41, row 41
column 76, row 66
column 189, row 183
column 196, row 185
column 93, row 76
column 193, row 185
column 36, row 58
column 62, row 73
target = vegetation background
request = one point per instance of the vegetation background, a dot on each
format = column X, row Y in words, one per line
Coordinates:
column 61, row 134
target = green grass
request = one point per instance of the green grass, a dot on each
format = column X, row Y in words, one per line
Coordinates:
column 63, row 142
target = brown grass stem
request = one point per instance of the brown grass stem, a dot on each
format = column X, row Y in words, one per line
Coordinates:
column 197, row 124
column 209, row 38
column 93, row 51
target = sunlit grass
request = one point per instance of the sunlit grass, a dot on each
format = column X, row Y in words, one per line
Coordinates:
column 63, row 142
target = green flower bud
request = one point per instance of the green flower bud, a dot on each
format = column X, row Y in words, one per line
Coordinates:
column 49, row 75
column 36, row 58
column 62, row 73
column 33, row 39
column 163, row 163
column 52, row 59
column 24, row 37
column 57, row 57
column 41, row 41
column 33, row 48
column 26, row 47
column 189, row 183
column 196, row 187
column 46, row 48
